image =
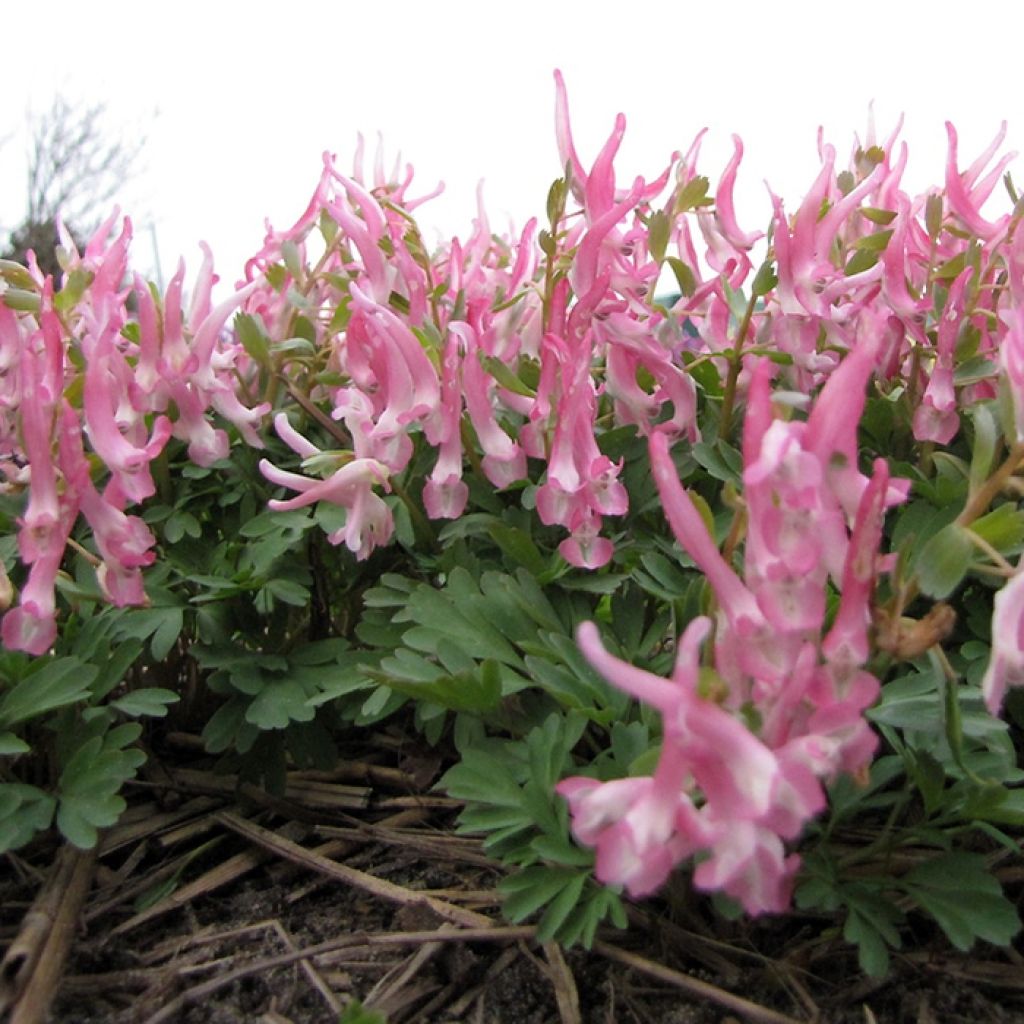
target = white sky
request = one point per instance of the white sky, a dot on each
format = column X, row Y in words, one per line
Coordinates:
column 239, row 99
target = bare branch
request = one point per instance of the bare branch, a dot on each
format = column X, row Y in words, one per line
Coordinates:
column 75, row 165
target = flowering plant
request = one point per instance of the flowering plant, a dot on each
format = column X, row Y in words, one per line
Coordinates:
column 704, row 579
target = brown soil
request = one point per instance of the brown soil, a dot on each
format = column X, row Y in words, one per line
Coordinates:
column 216, row 904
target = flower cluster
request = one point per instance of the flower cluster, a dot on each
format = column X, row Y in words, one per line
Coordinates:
column 723, row 790
column 140, row 380
column 502, row 361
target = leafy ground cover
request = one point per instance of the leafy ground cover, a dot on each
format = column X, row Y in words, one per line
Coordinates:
column 669, row 634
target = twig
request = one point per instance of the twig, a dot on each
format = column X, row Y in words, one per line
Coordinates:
column 316, row 979
column 703, row 989
column 224, row 873
column 387, row 991
column 567, row 997
column 30, row 970
column 208, row 988
column 352, row 876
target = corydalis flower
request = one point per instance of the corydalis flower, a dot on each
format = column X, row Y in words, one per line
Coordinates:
column 368, row 522
column 713, row 792
column 1006, row 663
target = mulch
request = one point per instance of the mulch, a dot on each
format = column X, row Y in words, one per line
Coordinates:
column 214, row 902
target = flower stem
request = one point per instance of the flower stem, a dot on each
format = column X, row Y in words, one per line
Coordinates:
column 735, row 365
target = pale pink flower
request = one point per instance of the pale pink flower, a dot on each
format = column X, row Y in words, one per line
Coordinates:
column 368, row 524
column 748, row 862
column 1006, row 662
column 641, row 828
column 966, row 194
column 445, row 493
column 32, row 625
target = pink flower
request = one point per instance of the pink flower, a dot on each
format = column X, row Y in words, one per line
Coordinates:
column 748, row 863
column 368, row 523
column 127, row 460
column 738, row 603
column 1006, row 663
column 32, row 625
column 504, row 462
column 966, row 194
column 445, row 494
column 641, row 828
column 124, row 542
column 847, row 641
column 41, row 525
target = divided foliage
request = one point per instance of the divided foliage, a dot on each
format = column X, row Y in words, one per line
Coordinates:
column 378, row 481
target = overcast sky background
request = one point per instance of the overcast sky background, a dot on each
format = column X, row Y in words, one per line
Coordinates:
column 238, row 100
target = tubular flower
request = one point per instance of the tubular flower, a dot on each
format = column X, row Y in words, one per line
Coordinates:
column 368, row 523
column 1006, row 664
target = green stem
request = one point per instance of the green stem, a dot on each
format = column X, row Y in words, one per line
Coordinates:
column 735, row 365
column 420, row 523
column 978, row 503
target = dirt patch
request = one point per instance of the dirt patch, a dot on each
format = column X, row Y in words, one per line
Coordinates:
column 215, row 904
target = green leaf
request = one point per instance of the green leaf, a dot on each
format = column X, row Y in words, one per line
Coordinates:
column 861, row 260
column 356, row 1013
column 871, row 923
column 21, row 300
column 958, row 890
column 161, row 624
column 873, row 243
column 872, row 952
column 693, row 194
column 685, row 277
column 477, row 691
column 561, row 907
column 152, row 701
column 530, row 889
column 289, row 592
column 16, row 275
column 764, row 280
column 227, row 727
column 986, row 436
column 11, row 745
column 24, row 811
column 719, row 461
column 943, row 561
column 933, row 215
column 1003, row 527
column 877, row 216
column 659, row 229
column 556, row 201
column 253, row 338
column 90, row 785
column 482, row 777
column 951, row 269
column 58, row 683
column 973, row 370
column 278, row 703
column 504, row 375
column 115, row 667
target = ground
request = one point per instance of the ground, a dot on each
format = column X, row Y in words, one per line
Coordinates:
column 213, row 905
